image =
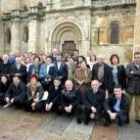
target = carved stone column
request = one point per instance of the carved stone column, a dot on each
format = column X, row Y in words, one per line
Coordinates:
column 33, row 30
column 15, row 32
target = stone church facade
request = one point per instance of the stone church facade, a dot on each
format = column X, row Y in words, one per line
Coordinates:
column 103, row 26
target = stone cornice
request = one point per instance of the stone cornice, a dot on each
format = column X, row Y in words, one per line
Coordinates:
column 109, row 3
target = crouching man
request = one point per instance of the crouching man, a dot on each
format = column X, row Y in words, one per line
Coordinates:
column 117, row 107
column 16, row 93
column 94, row 99
column 69, row 98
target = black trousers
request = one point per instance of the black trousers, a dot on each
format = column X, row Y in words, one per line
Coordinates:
column 40, row 106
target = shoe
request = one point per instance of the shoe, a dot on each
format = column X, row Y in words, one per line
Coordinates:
column 137, row 121
column 79, row 121
column 7, row 105
column 106, row 124
column 86, row 122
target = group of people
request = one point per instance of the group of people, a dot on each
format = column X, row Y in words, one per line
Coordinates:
column 86, row 87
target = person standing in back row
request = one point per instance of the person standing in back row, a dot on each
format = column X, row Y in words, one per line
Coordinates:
column 133, row 84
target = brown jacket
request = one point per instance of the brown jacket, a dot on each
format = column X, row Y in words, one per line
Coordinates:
column 84, row 75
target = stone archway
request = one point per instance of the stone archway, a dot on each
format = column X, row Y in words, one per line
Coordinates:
column 64, row 34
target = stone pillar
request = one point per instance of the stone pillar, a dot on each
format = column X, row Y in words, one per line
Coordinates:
column 137, row 28
column 33, row 30
column 15, row 35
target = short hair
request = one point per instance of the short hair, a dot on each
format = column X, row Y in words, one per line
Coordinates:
column 136, row 53
column 15, row 76
column 37, row 57
column 112, row 56
column 49, row 57
column 57, row 78
column 118, row 86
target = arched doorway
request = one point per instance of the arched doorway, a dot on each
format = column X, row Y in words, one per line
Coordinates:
column 66, row 37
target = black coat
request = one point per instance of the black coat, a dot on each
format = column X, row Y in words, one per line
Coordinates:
column 107, row 82
column 21, row 70
column 4, row 87
column 62, row 71
column 74, row 98
column 133, row 79
column 53, row 95
column 111, row 101
column 94, row 99
column 5, row 68
column 121, row 76
column 18, row 93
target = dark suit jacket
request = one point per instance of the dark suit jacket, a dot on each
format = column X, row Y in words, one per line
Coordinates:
column 121, row 76
column 62, row 71
column 18, row 93
column 94, row 99
column 54, row 95
column 5, row 68
column 21, row 70
column 107, row 82
column 111, row 101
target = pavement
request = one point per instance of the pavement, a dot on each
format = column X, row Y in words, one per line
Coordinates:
column 18, row 124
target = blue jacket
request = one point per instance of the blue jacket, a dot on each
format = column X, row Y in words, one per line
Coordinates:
column 43, row 72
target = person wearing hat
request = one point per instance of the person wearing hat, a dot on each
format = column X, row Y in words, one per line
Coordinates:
column 34, row 94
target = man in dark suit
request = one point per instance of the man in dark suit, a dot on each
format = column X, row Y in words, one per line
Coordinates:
column 102, row 72
column 70, row 98
column 16, row 93
column 47, row 73
column 117, row 107
column 94, row 99
column 54, row 92
column 61, row 69
column 19, row 69
column 133, row 84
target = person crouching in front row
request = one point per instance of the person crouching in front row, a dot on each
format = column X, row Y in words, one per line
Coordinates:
column 69, row 99
column 35, row 94
column 117, row 107
column 16, row 93
column 54, row 92
column 94, row 99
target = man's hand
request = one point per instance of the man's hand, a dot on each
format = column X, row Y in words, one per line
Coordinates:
column 112, row 115
column 93, row 109
column 12, row 100
column 7, row 100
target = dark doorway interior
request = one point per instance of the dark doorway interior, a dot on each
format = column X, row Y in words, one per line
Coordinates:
column 68, row 47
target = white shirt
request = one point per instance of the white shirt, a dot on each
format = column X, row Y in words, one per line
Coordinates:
column 58, row 65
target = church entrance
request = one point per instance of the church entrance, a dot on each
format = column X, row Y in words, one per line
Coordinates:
column 68, row 47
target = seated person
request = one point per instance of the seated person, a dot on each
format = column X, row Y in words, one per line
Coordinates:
column 117, row 107
column 54, row 92
column 35, row 94
column 69, row 98
column 4, row 85
column 16, row 93
column 94, row 99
